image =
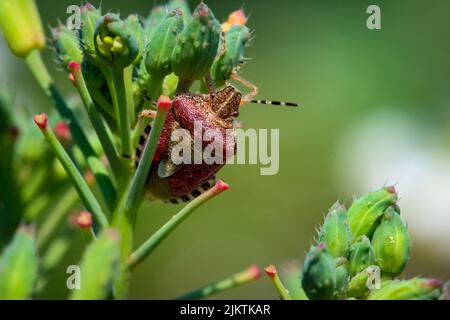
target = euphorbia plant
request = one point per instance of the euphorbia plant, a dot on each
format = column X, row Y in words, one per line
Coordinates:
column 127, row 75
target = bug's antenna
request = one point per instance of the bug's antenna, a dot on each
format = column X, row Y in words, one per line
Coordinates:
column 276, row 103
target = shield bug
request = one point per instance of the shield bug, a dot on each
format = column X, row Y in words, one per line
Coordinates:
column 215, row 111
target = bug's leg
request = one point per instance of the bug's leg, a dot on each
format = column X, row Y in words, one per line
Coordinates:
column 254, row 89
column 210, row 83
column 147, row 113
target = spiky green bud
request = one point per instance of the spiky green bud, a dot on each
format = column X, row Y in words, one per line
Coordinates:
column 365, row 213
column 66, row 45
column 391, row 243
column 115, row 42
column 319, row 273
column 159, row 50
column 361, row 255
column 231, row 54
column 358, row 286
column 153, row 20
column 89, row 17
column 197, row 45
column 413, row 289
column 335, row 232
column 342, row 277
column 21, row 26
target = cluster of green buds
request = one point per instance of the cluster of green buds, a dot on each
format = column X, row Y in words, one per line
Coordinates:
column 360, row 252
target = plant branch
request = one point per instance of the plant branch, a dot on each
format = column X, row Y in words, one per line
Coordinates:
column 250, row 274
column 155, row 240
column 271, row 271
column 79, row 183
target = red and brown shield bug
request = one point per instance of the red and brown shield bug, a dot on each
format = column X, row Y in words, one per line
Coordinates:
column 215, row 111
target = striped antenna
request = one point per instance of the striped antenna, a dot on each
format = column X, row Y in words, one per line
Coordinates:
column 276, row 103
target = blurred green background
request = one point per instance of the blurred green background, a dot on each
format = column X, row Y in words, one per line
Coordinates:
column 375, row 110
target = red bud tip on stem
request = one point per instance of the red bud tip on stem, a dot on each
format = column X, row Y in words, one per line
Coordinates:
column 41, row 120
column 254, row 271
column 220, row 187
column 84, row 220
column 62, row 131
column 164, row 103
column 434, row 283
column 74, row 66
column 89, row 177
column 321, row 246
column 14, row 131
column 271, row 271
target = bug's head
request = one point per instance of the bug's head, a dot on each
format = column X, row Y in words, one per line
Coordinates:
column 225, row 103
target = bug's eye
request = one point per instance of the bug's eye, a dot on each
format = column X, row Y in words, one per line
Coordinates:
column 213, row 95
column 235, row 113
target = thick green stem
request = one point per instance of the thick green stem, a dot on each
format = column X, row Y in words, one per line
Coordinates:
column 123, row 116
column 250, row 274
column 156, row 83
column 40, row 72
column 155, row 240
column 128, row 80
column 97, row 122
column 102, row 102
column 55, row 216
column 183, row 86
column 79, row 183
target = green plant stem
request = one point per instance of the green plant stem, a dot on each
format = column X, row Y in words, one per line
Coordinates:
column 123, row 116
column 250, row 274
column 183, row 86
column 273, row 275
column 40, row 72
column 101, row 102
column 79, row 183
column 155, row 240
column 156, row 83
column 136, row 189
column 55, row 216
column 128, row 80
column 139, row 128
column 98, row 123
column 34, row 208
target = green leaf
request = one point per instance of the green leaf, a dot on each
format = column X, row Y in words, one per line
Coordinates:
column 19, row 266
column 98, row 267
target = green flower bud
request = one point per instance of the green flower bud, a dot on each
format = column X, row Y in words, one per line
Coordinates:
column 391, row 244
column 413, row 289
column 319, row 273
column 21, row 26
column 89, row 17
column 358, row 286
column 159, row 50
column 335, row 232
column 66, row 45
column 232, row 54
column 342, row 277
column 365, row 213
column 153, row 20
column 138, row 31
column 115, row 42
column 361, row 255
column 197, row 45
column 183, row 6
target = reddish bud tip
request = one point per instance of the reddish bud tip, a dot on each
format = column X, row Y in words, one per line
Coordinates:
column 254, row 271
column 271, row 271
column 221, row 186
column 41, row 120
column 236, row 18
column 62, row 131
column 433, row 283
column 14, row 131
column 321, row 246
column 164, row 103
column 391, row 189
column 84, row 220
column 89, row 177
column 74, row 65
column 72, row 79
